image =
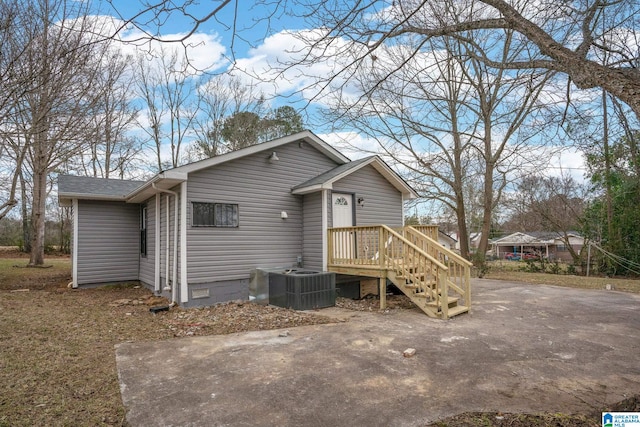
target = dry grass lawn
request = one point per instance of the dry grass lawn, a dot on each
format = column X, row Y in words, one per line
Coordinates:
column 512, row 271
column 57, row 359
column 57, row 363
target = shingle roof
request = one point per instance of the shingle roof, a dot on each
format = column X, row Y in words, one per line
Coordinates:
column 329, row 175
column 78, row 186
column 532, row 237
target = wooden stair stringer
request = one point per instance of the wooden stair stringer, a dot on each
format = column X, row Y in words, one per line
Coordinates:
column 422, row 296
column 420, row 300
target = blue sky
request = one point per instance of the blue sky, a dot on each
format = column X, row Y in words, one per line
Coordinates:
column 252, row 51
column 251, row 27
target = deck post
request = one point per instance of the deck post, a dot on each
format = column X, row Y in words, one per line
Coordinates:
column 383, row 292
column 442, row 294
column 467, row 289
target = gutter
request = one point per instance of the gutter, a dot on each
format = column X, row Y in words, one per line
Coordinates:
column 175, row 244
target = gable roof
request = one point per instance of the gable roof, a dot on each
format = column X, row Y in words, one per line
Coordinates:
column 88, row 188
column 304, row 136
column 172, row 177
column 532, row 237
column 74, row 187
column 325, row 180
column 447, row 237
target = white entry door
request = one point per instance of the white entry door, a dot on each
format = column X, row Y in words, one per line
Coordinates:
column 342, row 210
column 343, row 241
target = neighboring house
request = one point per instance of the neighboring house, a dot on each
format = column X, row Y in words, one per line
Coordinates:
column 550, row 245
column 197, row 231
column 447, row 241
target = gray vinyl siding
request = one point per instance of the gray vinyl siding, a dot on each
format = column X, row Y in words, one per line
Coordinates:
column 262, row 190
column 312, row 231
column 147, row 263
column 108, row 241
column 382, row 201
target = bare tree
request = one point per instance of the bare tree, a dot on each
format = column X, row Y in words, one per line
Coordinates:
column 165, row 85
column 560, row 37
column 459, row 130
column 16, row 38
column 53, row 115
column 220, row 98
column 112, row 151
column 554, row 204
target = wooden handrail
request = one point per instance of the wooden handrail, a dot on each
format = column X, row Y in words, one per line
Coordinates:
column 459, row 275
column 418, row 264
column 379, row 228
column 415, row 247
column 450, row 254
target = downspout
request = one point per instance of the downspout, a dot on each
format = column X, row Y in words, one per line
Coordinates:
column 167, row 252
column 175, row 243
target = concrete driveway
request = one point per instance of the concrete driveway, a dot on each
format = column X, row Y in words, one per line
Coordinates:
column 522, row 348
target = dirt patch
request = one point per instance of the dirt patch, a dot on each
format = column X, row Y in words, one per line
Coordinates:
column 372, row 303
column 566, row 280
column 57, row 364
column 498, row 419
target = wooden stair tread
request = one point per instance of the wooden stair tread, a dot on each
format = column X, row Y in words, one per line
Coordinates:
column 450, row 300
column 459, row 309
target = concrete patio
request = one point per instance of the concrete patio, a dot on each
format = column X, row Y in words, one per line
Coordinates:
column 523, row 348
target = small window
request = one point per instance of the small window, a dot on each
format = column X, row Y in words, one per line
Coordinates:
column 341, row 201
column 214, row 215
column 143, row 231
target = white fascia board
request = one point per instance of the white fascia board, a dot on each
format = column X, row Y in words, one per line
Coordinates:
column 312, row 189
column 66, row 199
column 164, row 180
column 384, row 170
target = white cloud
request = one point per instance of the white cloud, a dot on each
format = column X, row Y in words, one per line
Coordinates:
column 203, row 50
column 352, row 144
column 285, row 65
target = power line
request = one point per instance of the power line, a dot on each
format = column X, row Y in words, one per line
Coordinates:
column 617, row 259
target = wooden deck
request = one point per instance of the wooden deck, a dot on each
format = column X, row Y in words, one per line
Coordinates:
column 436, row 279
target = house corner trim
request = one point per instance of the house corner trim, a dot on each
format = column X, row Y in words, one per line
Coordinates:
column 325, row 223
column 74, row 261
column 184, row 288
column 156, row 277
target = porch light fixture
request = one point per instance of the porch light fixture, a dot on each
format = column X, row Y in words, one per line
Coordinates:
column 284, row 215
column 361, row 201
column 273, row 157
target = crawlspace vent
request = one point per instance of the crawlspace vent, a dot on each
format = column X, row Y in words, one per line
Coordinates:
column 200, row 293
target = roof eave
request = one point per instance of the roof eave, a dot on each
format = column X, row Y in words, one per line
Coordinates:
column 312, row 189
column 65, row 198
column 163, row 181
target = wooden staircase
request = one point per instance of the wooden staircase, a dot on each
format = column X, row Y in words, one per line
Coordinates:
column 433, row 277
